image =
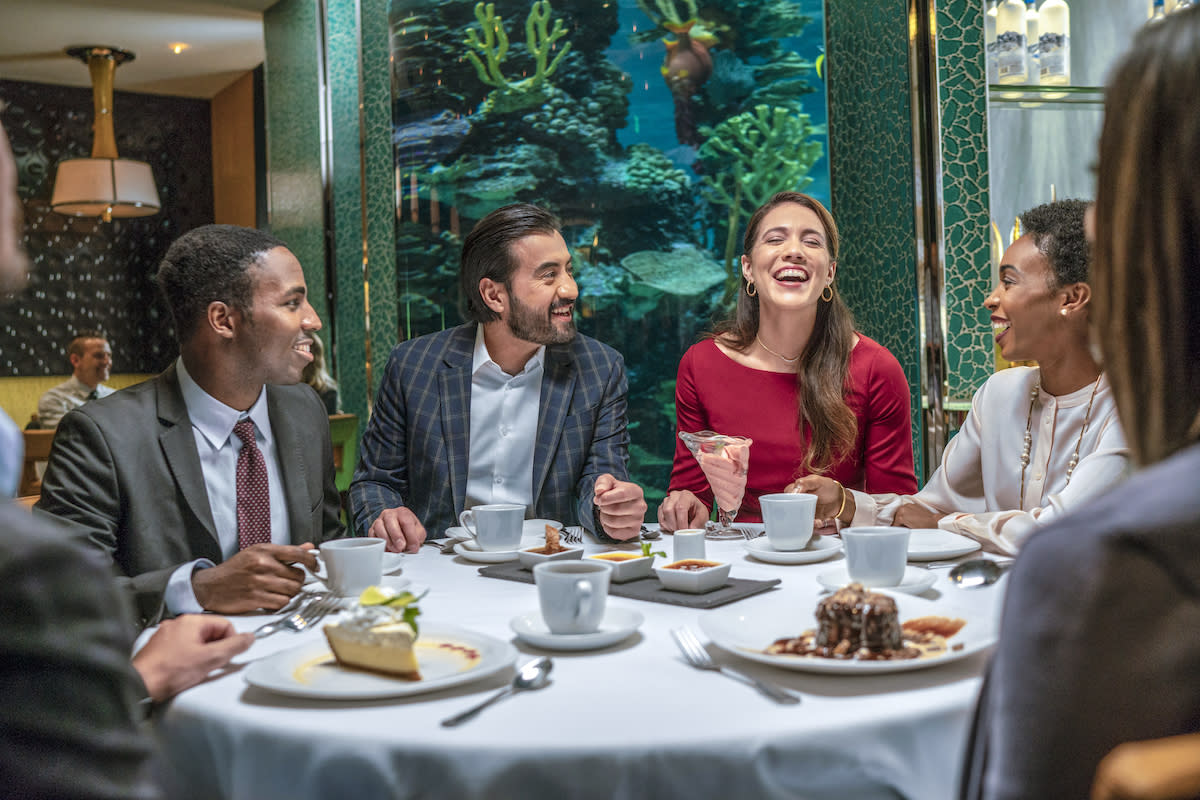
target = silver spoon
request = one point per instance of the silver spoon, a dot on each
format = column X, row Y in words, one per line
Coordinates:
column 533, row 675
column 977, row 572
column 649, row 535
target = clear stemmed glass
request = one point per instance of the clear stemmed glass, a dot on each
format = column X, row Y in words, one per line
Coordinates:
column 724, row 460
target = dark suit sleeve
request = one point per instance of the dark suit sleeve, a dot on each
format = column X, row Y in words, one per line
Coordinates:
column 381, row 476
column 609, row 451
column 67, row 688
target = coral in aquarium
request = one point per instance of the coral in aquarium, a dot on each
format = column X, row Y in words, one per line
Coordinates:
column 529, row 92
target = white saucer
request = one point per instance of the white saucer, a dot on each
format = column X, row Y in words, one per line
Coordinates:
column 471, row 552
column 930, row 544
column 819, row 548
column 915, row 580
column 396, row 582
column 617, row 625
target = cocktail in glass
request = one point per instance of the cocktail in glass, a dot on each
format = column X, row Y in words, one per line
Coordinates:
column 724, row 460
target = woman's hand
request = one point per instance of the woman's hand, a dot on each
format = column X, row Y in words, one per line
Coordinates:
column 681, row 510
column 915, row 515
column 829, row 497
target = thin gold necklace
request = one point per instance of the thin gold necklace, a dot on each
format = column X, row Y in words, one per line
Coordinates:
column 1087, row 415
column 772, row 352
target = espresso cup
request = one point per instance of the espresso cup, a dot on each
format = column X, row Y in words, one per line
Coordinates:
column 352, row 565
column 689, row 543
column 572, row 594
column 496, row 526
column 876, row 556
column 788, row 519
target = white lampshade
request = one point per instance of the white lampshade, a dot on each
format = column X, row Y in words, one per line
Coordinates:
column 105, row 187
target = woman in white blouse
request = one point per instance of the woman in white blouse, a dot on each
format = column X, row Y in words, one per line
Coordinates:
column 1037, row 440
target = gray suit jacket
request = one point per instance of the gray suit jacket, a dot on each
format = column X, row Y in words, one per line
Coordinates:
column 125, row 473
column 1099, row 642
column 415, row 449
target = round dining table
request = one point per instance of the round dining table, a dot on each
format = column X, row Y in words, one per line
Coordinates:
column 630, row 720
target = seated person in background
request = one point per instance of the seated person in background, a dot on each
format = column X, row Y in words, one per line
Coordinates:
column 316, row 376
column 512, row 407
column 91, row 363
column 789, row 371
column 222, row 459
column 1098, row 640
column 71, row 722
column 1037, row 441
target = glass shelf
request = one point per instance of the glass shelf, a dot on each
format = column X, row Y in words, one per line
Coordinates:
column 1023, row 96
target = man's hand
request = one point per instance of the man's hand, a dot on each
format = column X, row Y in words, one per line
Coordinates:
column 183, row 651
column 915, row 515
column 400, row 528
column 261, row 576
column 680, row 510
column 621, row 506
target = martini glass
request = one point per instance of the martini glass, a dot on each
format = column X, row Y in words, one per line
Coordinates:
column 724, row 460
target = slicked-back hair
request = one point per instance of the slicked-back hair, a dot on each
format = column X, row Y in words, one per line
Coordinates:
column 823, row 378
column 211, row 264
column 76, row 346
column 1058, row 233
column 1147, row 247
column 487, row 252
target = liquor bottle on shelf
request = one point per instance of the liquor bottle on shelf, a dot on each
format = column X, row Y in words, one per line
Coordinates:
column 1011, row 56
column 989, row 39
column 1054, row 43
column 1158, row 13
column 1031, row 41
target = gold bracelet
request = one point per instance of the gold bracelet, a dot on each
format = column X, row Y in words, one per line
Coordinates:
column 838, row 515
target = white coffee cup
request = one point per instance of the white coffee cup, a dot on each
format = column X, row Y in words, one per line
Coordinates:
column 876, row 556
column 788, row 519
column 689, row 543
column 352, row 565
column 496, row 526
column 572, row 594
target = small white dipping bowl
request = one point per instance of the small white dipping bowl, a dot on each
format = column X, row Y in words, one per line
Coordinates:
column 528, row 558
column 694, row 581
column 626, row 569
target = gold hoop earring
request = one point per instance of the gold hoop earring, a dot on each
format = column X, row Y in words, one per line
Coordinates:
column 750, row 290
column 828, row 288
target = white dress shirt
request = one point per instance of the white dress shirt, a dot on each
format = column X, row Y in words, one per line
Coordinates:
column 978, row 485
column 218, row 448
column 504, row 418
column 70, row 394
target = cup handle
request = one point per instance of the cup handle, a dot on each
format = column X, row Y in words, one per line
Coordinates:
column 466, row 518
column 583, row 599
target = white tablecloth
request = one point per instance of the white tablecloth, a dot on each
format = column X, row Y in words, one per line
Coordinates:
column 630, row 721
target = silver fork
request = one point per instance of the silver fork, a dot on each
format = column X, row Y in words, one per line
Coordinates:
column 312, row 611
column 570, row 536
column 699, row 658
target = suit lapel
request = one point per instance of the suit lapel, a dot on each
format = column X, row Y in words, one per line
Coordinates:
column 178, row 444
column 289, row 448
column 558, row 387
column 454, row 392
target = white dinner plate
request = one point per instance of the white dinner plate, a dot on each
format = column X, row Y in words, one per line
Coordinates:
column 311, row 671
column 930, row 544
column 819, row 548
column 618, row 624
column 915, row 580
column 748, row 635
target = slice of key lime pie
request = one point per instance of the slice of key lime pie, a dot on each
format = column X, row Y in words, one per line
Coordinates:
column 378, row 634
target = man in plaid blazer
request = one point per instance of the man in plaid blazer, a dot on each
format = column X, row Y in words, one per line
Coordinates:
column 514, row 406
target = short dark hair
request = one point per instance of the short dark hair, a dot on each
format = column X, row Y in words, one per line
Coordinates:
column 211, row 264
column 1058, row 234
column 75, row 348
column 487, row 251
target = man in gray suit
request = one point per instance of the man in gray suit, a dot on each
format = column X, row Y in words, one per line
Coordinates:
column 208, row 484
column 513, row 407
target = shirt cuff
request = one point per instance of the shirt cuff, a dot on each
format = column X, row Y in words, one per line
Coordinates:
column 180, row 597
column 864, row 509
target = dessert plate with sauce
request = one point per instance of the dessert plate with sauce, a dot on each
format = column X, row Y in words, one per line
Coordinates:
column 915, row 580
column 618, row 624
column 448, row 656
column 930, row 544
column 819, row 548
column 748, row 635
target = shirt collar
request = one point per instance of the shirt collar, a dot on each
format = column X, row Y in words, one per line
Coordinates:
column 214, row 419
column 482, row 358
column 79, row 387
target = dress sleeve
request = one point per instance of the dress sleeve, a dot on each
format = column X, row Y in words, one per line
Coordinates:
column 887, row 441
column 690, row 416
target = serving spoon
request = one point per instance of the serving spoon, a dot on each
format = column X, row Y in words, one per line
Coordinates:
column 978, row 572
column 533, row 675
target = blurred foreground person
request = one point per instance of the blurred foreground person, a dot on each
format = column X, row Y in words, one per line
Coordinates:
column 1098, row 644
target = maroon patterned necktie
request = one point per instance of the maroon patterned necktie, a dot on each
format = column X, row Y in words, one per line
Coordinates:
column 253, row 496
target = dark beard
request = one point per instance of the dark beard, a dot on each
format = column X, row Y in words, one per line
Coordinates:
column 530, row 325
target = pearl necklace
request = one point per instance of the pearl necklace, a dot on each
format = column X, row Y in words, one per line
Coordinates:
column 772, row 352
column 1087, row 415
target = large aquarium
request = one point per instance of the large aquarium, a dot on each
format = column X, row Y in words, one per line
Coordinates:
column 652, row 128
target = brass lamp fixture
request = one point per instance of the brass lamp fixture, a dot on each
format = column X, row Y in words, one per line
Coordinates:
column 104, row 185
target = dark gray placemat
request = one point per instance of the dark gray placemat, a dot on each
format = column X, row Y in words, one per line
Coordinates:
column 650, row 589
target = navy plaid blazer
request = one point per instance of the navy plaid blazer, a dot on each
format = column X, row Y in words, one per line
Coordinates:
column 414, row 450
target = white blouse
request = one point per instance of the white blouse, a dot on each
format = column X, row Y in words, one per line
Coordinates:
column 978, row 485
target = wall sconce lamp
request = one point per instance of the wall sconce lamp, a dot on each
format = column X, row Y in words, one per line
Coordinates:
column 104, row 185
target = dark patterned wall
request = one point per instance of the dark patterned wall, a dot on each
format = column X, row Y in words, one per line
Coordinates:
column 87, row 273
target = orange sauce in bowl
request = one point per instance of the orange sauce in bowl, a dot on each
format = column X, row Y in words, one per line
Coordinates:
column 691, row 565
column 616, row 556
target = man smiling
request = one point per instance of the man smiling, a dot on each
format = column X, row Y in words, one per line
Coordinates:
column 91, row 363
column 512, row 407
column 208, row 484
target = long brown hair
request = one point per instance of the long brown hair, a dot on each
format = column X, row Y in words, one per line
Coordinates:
column 1147, row 246
column 824, row 375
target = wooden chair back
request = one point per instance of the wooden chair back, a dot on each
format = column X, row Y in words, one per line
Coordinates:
column 37, row 449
